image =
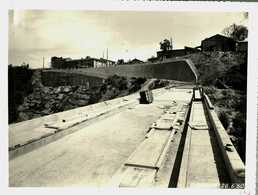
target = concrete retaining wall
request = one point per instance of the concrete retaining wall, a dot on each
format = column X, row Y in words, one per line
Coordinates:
column 180, row 70
column 55, row 79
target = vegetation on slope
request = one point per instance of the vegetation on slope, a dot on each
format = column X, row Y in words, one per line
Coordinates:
column 19, row 86
column 224, row 77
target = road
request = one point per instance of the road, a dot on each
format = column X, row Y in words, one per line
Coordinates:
column 91, row 155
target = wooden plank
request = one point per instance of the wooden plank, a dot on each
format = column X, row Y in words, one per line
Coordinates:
column 138, row 177
column 202, row 171
column 148, row 152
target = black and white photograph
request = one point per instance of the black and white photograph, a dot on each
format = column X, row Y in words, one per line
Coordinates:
column 130, row 99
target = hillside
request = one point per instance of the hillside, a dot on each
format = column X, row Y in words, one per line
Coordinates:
column 224, row 77
column 218, row 65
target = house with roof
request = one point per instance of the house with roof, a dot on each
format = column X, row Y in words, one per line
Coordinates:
column 88, row 62
column 218, row 43
column 135, row 61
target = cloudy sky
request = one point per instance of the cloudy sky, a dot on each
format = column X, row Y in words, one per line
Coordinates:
column 37, row 33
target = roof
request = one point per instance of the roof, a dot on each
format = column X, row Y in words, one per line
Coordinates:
column 135, row 59
column 87, row 59
column 102, row 60
column 219, row 36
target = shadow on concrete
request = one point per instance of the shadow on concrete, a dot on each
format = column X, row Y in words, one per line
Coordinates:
column 176, row 167
column 218, row 158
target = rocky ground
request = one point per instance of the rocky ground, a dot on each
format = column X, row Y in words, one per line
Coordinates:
column 46, row 100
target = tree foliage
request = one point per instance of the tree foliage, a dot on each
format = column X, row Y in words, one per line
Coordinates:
column 165, row 45
column 120, row 61
column 236, row 32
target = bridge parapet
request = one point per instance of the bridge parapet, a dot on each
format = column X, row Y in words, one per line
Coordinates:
column 233, row 162
column 163, row 148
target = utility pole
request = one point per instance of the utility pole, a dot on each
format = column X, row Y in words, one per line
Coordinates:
column 171, row 46
column 107, row 58
column 43, row 62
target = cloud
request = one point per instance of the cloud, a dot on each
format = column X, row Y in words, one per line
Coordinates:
column 127, row 34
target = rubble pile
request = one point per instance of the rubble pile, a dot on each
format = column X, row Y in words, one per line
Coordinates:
column 45, row 100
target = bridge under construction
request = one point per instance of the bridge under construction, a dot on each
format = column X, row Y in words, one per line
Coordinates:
column 175, row 141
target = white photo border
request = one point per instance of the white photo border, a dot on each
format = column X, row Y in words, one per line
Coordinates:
column 251, row 8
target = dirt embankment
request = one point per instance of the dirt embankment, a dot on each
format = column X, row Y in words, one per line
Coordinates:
column 45, row 100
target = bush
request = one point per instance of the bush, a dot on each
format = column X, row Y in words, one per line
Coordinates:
column 240, row 105
column 117, row 82
column 223, row 117
column 209, row 90
column 239, row 122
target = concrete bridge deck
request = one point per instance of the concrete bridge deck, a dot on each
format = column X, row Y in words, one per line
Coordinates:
column 94, row 153
column 173, row 142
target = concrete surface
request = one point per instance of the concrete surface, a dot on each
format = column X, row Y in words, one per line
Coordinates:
column 198, row 120
column 148, row 152
column 142, row 169
column 92, row 155
column 21, row 133
column 87, row 157
column 137, row 177
column 207, row 170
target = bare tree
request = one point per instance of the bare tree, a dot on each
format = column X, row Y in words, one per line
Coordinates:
column 236, row 32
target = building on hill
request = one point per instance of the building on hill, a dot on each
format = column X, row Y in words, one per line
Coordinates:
column 135, row 61
column 153, row 59
column 88, row 62
column 120, row 62
column 170, row 53
column 176, row 52
column 190, row 50
column 218, row 43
